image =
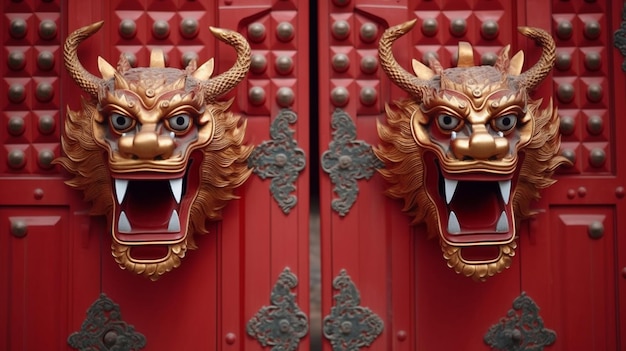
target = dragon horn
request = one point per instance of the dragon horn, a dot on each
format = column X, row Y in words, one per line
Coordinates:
column 85, row 80
column 224, row 82
column 398, row 75
column 530, row 79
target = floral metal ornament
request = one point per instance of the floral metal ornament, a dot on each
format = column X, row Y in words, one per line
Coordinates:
column 522, row 329
column 280, row 159
column 154, row 151
column 619, row 38
column 469, row 150
column 349, row 326
column 282, row 324
column 347, row 160
column 104, row 329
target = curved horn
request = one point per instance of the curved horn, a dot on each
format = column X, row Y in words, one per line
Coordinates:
column 224, row 82
column 530, row 79
column 398, row 75
column 85, row 80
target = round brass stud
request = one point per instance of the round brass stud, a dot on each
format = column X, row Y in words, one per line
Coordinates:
column 567, row 125
column 341, row 29
column 16, row 60
column 368, row 96
column 256, row 32
column 127, row 29
column 369, row 32
column 47, row 29
column 16, row 126
column 258, row 63
column 592, row 29
column 110, row 338
column 45, row 158
column 595, row 125
column 45, row 60
column 230, row 338
column 340, row 62
column 595, row 230
column 594, row 92
column 563, row 61
column 186, row 58
column 369, row 64
column 570, row 155
column 256, row 95
column 564, row 30
column 160, row 29
column 132, row 59
column 19, row 228
column 189, row 28
column 565, row 92
column 284, row 31
column 16, row 93
column 284, row 97
column 339, row 96
column 488, row 58
column 44, row 92
column 489, row 29
column 458, row 27
column 581, row 192
column 284, row 65
column 47, row 124
column 593, row 60
column 620, row 192
column 16, row 159
column 430, row 27
column 597, row 157
column 401, row 335
column 18, row 28
column 38, row 193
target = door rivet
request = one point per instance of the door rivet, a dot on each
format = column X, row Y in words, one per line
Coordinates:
column 619, row 192
column 19, row 228
column 231, row 338
column 595, row 230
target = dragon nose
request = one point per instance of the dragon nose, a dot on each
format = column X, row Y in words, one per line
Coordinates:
column 481, row 145
column 147, row 145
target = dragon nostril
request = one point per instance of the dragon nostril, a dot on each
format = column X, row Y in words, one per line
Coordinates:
column 134, row 157
column 158, row 158
column 467, row 158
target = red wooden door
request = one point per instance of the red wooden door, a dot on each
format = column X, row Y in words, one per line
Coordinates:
column 384, row 284
column 570, row 256
column 56, row 260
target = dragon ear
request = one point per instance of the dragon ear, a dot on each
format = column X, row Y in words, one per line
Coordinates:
column 421, row 70
column 517, row 61
column 205, row 71
column 106, row 70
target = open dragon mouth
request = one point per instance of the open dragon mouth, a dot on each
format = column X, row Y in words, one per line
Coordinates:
column 151, row 211
column 475, row 209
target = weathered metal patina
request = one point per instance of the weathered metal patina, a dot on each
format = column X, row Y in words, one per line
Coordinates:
column 469, row 151
column 154, row 151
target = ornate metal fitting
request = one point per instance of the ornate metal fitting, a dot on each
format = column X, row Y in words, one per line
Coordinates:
column 154, row 150
column 280, row 159
column 347, row 160
column 282, row 324
column 104, row 329
column 522, row 329
column 350, row 326
column 619, row 38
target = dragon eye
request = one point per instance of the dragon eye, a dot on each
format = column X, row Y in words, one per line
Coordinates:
column 179, row 123
column 505, row 123
column 120, row 122
column 447, row 122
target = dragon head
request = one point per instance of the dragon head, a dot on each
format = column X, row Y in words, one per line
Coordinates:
column 469, row 151
column 154, row 151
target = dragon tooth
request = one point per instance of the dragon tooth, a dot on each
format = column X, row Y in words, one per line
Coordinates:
column 450, row 188
column 503, row 223
column 452, row 135
column 176, row 186
column 453, row 224
column 505, row 190
column 120, row 189
column 123, row 225
column 174, row 225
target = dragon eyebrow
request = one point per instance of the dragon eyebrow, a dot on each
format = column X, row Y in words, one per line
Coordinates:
column 505, row 102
